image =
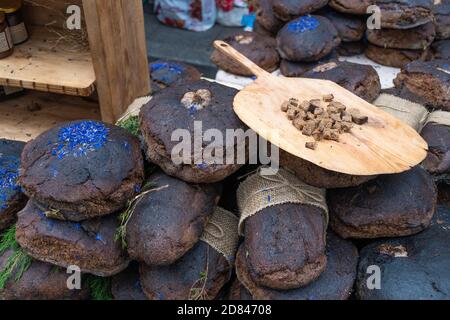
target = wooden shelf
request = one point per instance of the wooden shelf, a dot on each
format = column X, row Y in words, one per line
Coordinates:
column 44, row 64
column 26, row 117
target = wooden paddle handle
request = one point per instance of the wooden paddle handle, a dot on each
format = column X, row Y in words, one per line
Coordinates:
column 232, row 53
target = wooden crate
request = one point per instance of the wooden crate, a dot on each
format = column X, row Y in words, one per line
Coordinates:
column 114, row 62
column 54, row 59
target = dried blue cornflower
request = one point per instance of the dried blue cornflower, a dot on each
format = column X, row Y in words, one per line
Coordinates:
column 303, row 24
column 171, row 67
column 9, row 173
column 202, row 166
column 79, row 138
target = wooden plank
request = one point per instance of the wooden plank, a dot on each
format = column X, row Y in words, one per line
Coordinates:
column 43, row 63
column 27, row 116
column 117, row 42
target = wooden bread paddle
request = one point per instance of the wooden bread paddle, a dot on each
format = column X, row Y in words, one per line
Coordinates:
column 383, row 145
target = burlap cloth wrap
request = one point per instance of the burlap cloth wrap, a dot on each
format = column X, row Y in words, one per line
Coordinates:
column 409, row 112
column 258, row 192
column 221, row 233
column 439, row 117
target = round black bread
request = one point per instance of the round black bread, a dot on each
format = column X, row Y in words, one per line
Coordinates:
column 308, row 38
column 297, row 69
column 350, row 28
column 168, row 222
column 351, row 6
column 348, row 49
column 317, row 176
column 127, row 284
column 11, row 198
column 389, row 206
column 441, row 49
column 287, row 10
column 418, row 38
column 87, row 168
column 166, row 73
column 429, row 80
column 444, row 193
column 412, row 268
column 335, row 283
column 437, row 161
column 89, row 245
column 265, row 16
column 441, row 12
column 40, row 281
column 404, row 93
column 165, row 113
column 404, row 14
column 259, row 29
column 396, row 58
column 262, row 50
column 285, row 246
column 362, row 80
column 239, row 292
column 200, row 274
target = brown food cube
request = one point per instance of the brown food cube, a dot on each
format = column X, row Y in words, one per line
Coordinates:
column 332, row 110
column 328, row 97
column 360, row 119
column 331, row 134
column 306, row 106
column 336, row 117
column 302, row 114
column 317, row 134
column 357, row 117
column 324, row 124
column 339, row 106
column 316, row 103
column 319, row 111
column 285, row 106
column 346, row 116
column 310, row 116
column 346, row 126
column 298, row 123
column 309, row 128
column 292, row 113
column 337, row 126
column 294, row 102
column 311, row 145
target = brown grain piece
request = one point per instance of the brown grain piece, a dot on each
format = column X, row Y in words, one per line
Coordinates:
column 309, row 128
column 357, row 117
column 306, row 106
column 285, row 106
column 316, row 103
column 339, row 106
column 331, row 134
column 319, row 111
column 311, row 145
column 331, row 109
column 336, row 117
column 299, row 123
column 346, row 117
column 328, row 97
column 346, row 126
column 292, row 113
column 317, row 135
column 310, row 116
column 294, row 102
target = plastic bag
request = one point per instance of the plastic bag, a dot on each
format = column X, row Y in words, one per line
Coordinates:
column 195, row 15
column 231, row 12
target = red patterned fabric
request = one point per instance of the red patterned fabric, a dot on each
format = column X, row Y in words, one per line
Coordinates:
column 225, row 5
